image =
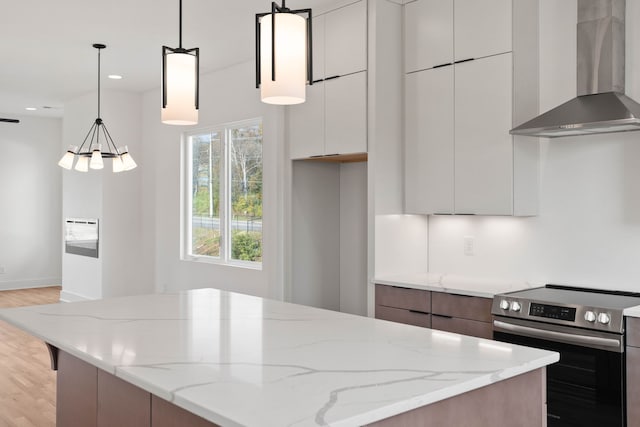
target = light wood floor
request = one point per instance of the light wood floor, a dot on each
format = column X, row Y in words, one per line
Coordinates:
column 27, row 383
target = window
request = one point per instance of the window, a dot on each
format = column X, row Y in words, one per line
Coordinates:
column 223, row 194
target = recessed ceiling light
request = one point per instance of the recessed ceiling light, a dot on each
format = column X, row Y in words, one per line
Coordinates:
column 31, row 108
column 115, row 76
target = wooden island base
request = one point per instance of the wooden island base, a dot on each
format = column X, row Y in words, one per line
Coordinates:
column 88, row 396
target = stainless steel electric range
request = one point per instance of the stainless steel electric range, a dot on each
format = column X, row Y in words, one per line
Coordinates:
column 586, row 326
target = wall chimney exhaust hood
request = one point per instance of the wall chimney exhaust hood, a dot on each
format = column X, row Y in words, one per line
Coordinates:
column 601, row 105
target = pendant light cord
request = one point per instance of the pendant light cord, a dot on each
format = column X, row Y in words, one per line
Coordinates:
column 180, row 32
column 99, row 82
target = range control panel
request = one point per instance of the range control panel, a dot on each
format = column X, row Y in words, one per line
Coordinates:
column 552, row 312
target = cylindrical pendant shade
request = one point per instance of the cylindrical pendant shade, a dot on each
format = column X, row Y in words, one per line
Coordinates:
column 180, row 90
column 290, row 59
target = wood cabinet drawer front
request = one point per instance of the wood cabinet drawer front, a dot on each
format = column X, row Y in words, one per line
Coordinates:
column 465, row 307
column 473, row 328
column 401, row 315
column 633, row 331
column 411, row 299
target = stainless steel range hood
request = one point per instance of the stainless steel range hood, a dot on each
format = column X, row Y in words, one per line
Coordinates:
column 601, row 105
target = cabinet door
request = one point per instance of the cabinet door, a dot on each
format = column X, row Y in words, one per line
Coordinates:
column 483, row 145
column 400, row 315
column 317, row 38
column 633, row 386
column 428, row 34
column 76, row 391
column 346, row 40
column 306, row 124
column 346, row 114
column 482, row 28
column 429, row 143
column 121, row 403
column 462, row 306
column 410, row 299
column 462, row 326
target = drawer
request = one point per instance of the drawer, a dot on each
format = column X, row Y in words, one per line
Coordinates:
column 633, row 332
column 411, row 299
column 401, row 315
column 462, row 326
column 464, row 307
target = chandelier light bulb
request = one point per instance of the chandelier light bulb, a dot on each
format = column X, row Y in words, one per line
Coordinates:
column 118, row 166
column 96, row 158
column 127, row 160
column 82, row 165
column 67, row 160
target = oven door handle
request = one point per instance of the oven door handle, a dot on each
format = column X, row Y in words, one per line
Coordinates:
column 564, row 337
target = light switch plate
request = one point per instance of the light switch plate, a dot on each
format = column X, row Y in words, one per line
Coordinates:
column 468, row 243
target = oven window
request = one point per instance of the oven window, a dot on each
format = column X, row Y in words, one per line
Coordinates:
column 585, row 388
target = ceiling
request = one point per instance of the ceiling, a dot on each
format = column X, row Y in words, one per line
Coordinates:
column 47, row 55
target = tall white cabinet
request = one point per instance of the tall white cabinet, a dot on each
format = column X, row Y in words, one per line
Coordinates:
column 333, row 120
column 471, row 71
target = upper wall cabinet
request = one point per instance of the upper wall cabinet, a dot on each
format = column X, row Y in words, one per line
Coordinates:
column 345, row 40
column 441, row 32
column 462, row 99
column 333, row 119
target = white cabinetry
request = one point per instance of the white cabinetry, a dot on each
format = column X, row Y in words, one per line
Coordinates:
column 483, row 146
column 429, row 141
column 444, row 31
column 333, row 120
column 345, row 40
column 460, row 157
column 346, row 114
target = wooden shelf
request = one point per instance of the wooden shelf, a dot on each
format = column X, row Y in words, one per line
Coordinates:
column 339, row 158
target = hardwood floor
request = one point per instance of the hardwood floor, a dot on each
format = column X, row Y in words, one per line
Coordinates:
column 27, row 383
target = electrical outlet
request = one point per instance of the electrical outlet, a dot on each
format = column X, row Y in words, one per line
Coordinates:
column 468, row 243
column 2, row 271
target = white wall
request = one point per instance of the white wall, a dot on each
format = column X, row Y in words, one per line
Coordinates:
column 30, row 200
column 588, row 229
column 226, row 96
column 316, row 234
column 114, row 199
column 329, row 235
column 353, row 238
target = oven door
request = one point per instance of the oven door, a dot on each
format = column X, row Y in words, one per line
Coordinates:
column 586, row 387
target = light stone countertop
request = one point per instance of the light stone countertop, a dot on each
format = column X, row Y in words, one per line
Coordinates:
column 239, row 360
column 632, row 311
column 454, row 284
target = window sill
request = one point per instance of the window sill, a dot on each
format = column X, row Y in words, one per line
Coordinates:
column 249, row 265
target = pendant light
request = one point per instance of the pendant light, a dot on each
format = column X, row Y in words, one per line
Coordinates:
column 180, row 83
column 283, row 54
column 100, row 145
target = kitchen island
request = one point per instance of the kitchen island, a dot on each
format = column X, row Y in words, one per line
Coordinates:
column 210, row 357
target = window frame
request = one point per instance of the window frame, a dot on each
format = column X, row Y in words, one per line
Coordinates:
column 225, row 209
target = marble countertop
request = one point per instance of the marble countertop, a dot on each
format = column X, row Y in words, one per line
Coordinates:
column 462, row 285
column 239, row 360
column 632, row 311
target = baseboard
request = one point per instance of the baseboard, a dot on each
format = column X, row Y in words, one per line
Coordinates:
column 66, row 296
column 32, row 283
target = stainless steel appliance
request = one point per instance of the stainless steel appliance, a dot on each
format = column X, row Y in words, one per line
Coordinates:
column 586, row 326
column 601, row 105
